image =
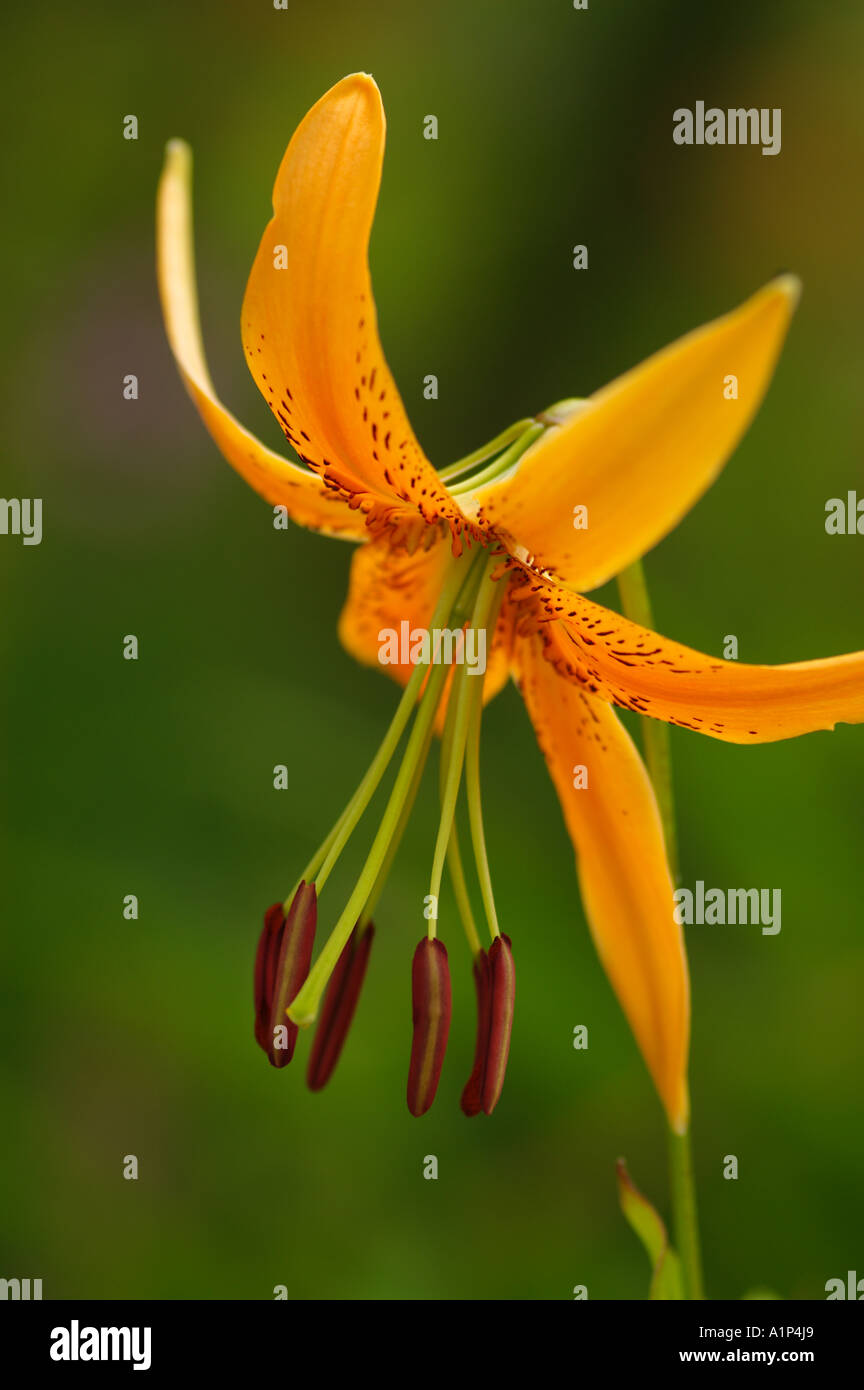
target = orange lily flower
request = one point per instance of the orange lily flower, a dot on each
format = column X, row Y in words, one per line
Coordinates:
column 495, row 548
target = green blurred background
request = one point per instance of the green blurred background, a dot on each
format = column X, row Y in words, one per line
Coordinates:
column 155, row 777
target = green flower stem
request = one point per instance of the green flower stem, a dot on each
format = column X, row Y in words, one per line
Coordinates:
column 305, row 1006
column 462, row 694
column 636, row 604
column 322, row 862
column 684, row 1210
column 502, row 464
column 486, row 451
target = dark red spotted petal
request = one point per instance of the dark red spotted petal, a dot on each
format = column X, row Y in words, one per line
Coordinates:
column 292, row 967
column 265, row 971
column 502, row 999
column 430, row 988
column 337, row 1011
column 472, row 1096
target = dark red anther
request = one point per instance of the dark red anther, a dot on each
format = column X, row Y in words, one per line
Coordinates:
column 472, row 1096
column 337, row 1011
column 281, row 966
column 502, row 999
column 265, row 971
column 430, row 988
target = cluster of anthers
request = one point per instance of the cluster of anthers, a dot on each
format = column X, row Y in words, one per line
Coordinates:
column 288, row 993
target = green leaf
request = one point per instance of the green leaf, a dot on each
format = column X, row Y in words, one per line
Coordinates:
column 760, row 1293
column 666, row 1280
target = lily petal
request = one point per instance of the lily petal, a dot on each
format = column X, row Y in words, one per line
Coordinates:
column 728, row 700
column 626, row 886
column 310, row 325
column 640, row 452
column 307, row 500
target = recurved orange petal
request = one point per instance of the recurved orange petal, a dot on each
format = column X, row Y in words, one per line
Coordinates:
column 626, row 887
column 641, row 452
column 729, row 700
column 307, row 500
column 309, row 321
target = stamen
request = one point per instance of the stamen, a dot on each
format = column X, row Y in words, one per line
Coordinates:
column 265, row 972
column 450, row 776
column 396, row 839
column 461, row 697
column 475, row 814
column 430, row 988
column 472, row 1096
column 495, row 981
column 460, row 891
column 296, row 938
column 337, row 1012
column 502, row 1000
column 454, row 855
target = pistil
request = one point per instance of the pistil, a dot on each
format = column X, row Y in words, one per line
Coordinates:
column 471, row 596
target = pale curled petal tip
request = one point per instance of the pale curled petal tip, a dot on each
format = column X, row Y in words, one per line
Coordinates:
column 361, row 82
column 363, row 79
column 178, row 160
column 789, row 285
